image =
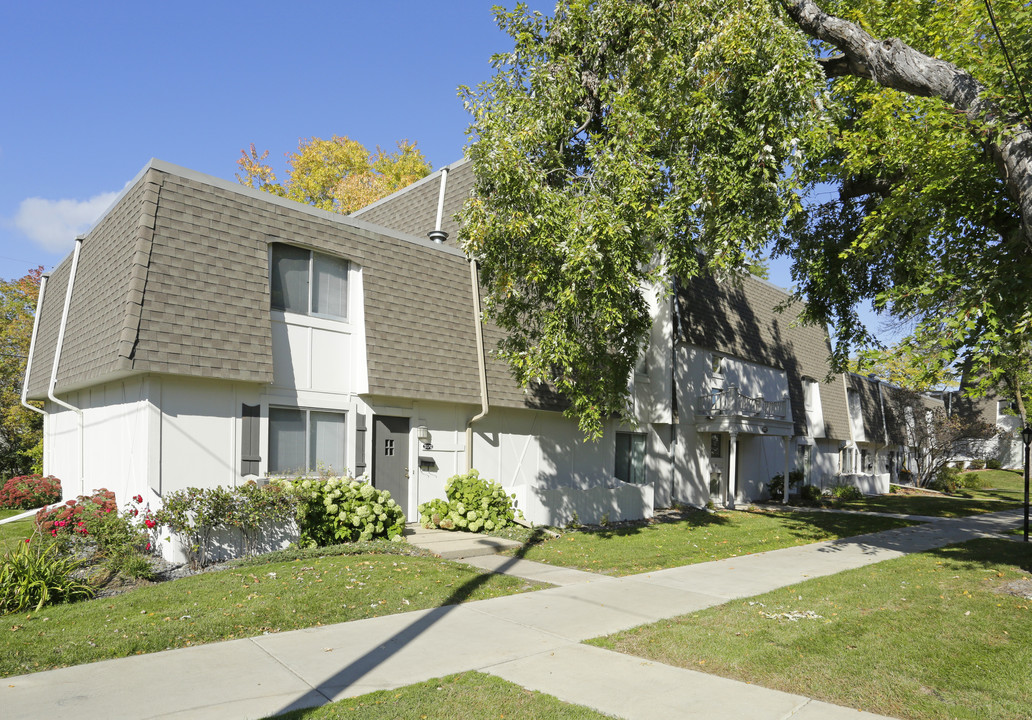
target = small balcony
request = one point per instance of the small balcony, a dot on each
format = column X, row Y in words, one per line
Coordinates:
column 730, row 402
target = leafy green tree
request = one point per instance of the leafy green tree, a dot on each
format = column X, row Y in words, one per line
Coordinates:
column 338, row 174
column 914, row 363
column 21, row 430
column 621, row 144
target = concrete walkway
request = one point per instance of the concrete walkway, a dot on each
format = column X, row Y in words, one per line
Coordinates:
column 531, row 639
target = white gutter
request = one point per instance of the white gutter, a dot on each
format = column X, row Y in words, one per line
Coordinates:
column 32, row 344
column 57, row 357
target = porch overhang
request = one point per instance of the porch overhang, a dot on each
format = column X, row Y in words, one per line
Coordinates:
column 743, row 424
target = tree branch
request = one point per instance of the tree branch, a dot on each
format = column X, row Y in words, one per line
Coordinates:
column 893, row 64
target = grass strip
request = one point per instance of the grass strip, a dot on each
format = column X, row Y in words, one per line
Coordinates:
column 944, row 633
column 240, row 602
column 988, row 491
column 15, row 532
column 469, row 695
column 697, row 537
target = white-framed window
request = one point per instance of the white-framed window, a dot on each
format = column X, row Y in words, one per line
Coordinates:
column 303, row 441
column 630, row 457
column 308, row 283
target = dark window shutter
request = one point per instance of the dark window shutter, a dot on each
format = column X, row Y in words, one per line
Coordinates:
column 360, row 444
column 250, row 454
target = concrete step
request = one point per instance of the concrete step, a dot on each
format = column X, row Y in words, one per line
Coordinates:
column 456, row 544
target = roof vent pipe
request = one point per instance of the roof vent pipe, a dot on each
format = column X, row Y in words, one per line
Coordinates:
column 437, row 234
column 32, row 343
column 57, row 358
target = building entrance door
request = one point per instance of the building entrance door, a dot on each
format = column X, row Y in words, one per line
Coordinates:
column 391, row 456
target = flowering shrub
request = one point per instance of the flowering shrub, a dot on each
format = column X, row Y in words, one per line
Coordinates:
column 93, row 525
column 69, row 520
column 335, row 510
column 473, row 504
column 30, row 491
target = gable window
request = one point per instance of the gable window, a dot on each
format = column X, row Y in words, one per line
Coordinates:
column 308, row 283
column 630, row 457
column 305, row 441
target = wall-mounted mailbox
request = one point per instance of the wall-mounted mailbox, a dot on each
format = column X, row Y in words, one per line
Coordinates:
column 427, row 463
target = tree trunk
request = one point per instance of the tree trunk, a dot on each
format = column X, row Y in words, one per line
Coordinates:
column 893, row 64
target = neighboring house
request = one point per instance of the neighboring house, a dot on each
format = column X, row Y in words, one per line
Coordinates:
column 1006, row 447
column 204, row 333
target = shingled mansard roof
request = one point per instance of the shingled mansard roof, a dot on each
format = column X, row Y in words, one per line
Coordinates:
column 174, row 279
column 739, row 318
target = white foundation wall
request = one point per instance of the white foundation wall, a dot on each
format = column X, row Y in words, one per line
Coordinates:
column 112, row 441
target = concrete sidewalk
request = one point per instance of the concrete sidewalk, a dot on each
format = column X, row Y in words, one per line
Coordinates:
column 531, row 639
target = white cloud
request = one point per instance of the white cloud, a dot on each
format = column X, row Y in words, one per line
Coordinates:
column 53, row 224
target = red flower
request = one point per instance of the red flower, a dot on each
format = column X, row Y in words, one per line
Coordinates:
column 28, row 540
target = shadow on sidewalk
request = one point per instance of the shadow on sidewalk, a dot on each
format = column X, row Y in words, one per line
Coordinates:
column 359, row 668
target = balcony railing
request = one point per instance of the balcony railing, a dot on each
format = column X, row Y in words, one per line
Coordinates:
column 731, row 401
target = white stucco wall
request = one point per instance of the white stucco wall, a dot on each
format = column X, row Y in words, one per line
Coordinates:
column 760, row 458
column 114, row 436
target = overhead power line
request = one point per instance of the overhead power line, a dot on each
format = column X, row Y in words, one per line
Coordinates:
column 1006, row 56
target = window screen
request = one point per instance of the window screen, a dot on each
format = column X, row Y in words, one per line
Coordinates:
column 306, row 441
column 290, row 269
column 308, row 283
column 630, row 457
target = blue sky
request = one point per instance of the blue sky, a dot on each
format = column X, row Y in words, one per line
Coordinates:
column 92, row 91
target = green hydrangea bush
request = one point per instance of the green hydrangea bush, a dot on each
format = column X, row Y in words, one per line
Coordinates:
column 342, row 509
column 474, row 504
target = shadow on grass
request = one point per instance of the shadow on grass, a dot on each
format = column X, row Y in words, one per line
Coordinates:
column 690, row 518
column 985, row 553
column 359, row 668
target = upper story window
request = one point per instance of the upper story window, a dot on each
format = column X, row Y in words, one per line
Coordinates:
column 309, row 283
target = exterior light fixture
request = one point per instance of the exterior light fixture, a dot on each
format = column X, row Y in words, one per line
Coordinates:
column 424, row 437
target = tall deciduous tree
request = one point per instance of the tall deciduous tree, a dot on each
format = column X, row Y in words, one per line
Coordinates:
column 338, row 174
column 21, row 430
column 624, row 143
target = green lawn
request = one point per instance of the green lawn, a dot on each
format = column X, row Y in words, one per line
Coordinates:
column 1002, row 490
column 240, row 602
column 925, row 636
column 13, row 533
column 700, row 537
column 470, row 696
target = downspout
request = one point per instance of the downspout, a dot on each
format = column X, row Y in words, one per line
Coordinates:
column 439, row 236
column 32, row 345
column 474, row 277
column 57, row 359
